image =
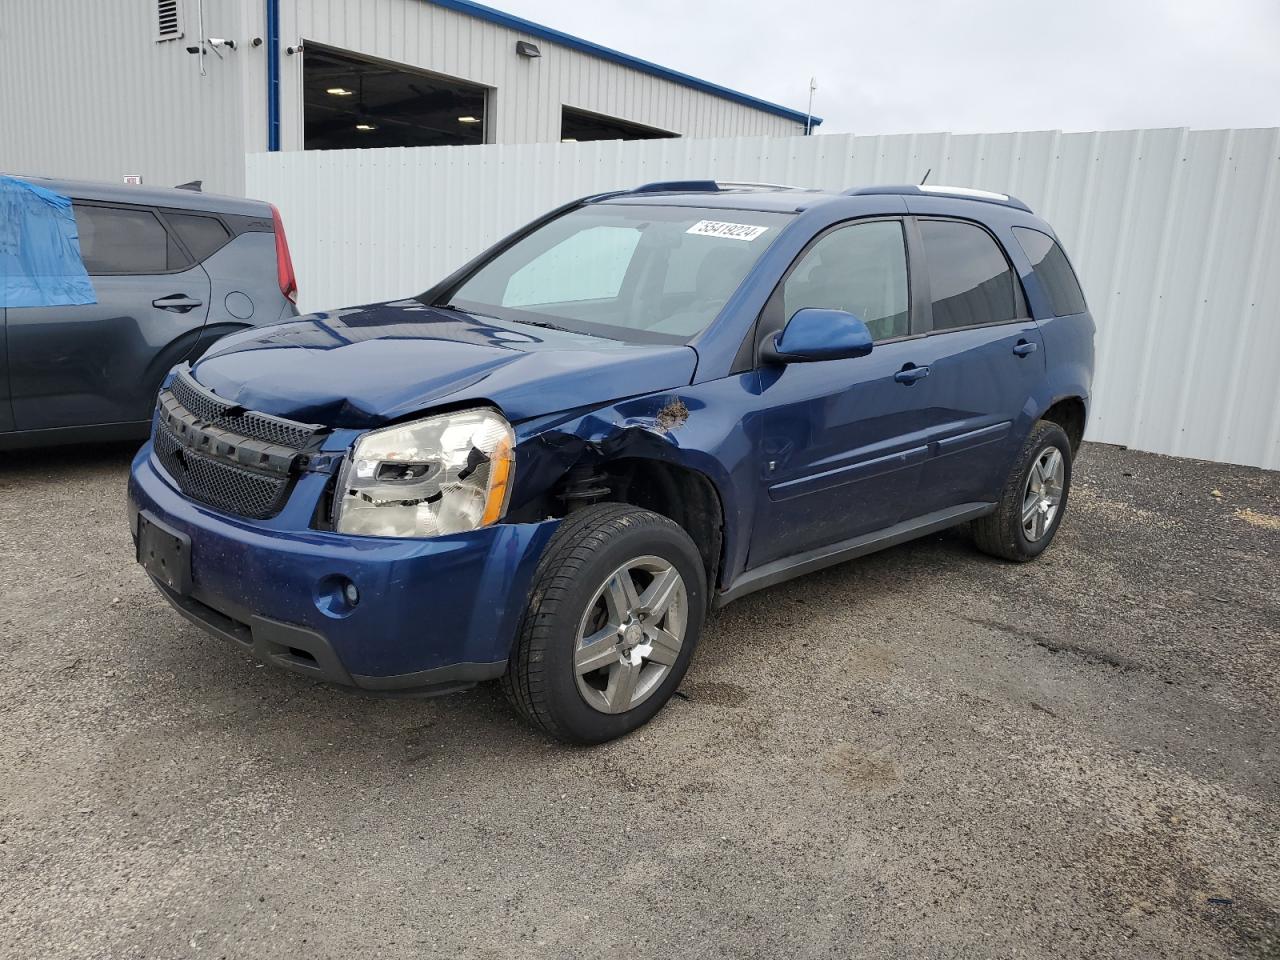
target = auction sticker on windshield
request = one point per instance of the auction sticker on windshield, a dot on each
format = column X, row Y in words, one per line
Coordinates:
column 730, row 231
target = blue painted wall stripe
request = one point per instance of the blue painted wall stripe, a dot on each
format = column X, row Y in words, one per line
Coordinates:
column 273, row 75
column 528, row 27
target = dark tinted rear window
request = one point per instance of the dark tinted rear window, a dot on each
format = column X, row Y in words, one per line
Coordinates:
column 970, row 280
column 119, row 240
column 1053, row 270
column 202, row 235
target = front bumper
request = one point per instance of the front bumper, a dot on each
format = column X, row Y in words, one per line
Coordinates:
column 433, row 615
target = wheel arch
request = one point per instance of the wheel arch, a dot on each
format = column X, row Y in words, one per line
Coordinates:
column 657, row 461
column 1071, row 413
column 678, row 492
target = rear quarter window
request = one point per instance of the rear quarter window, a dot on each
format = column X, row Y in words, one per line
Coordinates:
column 1053, row 270
column 203, row 236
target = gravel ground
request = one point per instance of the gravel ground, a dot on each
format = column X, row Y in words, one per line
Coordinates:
column 925, row 753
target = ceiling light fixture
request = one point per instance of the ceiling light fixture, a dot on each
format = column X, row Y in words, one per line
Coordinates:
column 468, row 119
column 338, row 92
column 366, row 126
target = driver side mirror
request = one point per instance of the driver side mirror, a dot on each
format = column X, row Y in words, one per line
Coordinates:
column 815, row 333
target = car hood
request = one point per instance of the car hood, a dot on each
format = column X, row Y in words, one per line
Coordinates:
column 365, row 366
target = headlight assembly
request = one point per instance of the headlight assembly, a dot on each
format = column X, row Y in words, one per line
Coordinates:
column 445, row 474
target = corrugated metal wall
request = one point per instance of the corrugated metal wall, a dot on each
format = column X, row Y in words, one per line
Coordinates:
column 527, row 95
column 87, row 92
column 1176, row 235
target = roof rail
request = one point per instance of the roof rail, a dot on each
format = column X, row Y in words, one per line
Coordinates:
column 678, row 186
column 755, row 185
column 935, row 190
column 706, row 186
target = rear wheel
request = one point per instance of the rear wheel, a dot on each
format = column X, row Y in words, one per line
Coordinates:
column 615, row 611
column 1033, row 500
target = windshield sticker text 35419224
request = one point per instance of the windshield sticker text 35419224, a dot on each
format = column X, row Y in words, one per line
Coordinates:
column 729, row 231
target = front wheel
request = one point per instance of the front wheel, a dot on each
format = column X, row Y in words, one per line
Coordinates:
column 615, row 612
column 1033, row 500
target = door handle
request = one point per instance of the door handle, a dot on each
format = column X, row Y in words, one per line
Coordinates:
column 176, row 303
column 910, row 374
column 1024, row 347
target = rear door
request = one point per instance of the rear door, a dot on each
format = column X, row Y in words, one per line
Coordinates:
column 103, row 362
column 985, row 357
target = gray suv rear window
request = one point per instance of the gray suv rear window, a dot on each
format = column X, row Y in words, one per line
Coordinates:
column 1053, row 270
column 117, row 240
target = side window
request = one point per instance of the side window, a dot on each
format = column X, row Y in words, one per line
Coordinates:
column 1053, row 270
column 117, row 240
column 202, row 235
column 861, row 269
column 587, row 265
column 970, row 281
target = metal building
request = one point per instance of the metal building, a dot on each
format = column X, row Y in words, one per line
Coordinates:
column 179, row 90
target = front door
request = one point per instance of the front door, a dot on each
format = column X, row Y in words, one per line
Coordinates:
column 101, row 363
column 841, row 440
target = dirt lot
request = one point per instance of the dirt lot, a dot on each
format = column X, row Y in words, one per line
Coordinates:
column 925, row 753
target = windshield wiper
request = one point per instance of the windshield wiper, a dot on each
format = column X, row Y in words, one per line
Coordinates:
column 544, row 324
column 489, row 316
column 457, row 309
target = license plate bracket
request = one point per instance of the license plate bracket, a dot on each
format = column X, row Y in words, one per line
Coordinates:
column 164, row 553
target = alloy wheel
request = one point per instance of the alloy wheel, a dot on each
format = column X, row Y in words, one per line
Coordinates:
column 1042, row 496
column 631, row 634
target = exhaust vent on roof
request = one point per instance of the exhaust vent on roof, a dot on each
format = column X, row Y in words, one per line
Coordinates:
column 167, row 26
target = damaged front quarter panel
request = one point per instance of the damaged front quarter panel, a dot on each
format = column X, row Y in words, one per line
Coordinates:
column 565, row 459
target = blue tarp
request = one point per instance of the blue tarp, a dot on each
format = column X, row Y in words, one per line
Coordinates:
column 40, row 264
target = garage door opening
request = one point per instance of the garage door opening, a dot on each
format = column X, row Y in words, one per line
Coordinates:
column 351, row 101
column 578, row 125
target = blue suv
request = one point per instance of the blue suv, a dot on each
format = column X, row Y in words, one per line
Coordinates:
column 551, row 466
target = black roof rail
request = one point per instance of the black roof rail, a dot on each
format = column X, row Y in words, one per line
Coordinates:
column 678, row 186
column 933, row 190
column 706, row 186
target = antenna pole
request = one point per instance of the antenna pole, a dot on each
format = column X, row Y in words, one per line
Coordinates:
column 808, row 120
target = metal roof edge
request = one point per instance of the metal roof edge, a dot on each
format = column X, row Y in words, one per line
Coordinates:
column 519, row 24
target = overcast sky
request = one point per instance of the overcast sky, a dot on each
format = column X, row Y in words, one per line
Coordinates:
column 911, row 66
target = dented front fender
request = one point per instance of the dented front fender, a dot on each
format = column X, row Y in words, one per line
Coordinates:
column 709, row 428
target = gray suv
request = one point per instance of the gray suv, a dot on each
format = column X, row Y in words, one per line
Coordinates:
column 172, row 271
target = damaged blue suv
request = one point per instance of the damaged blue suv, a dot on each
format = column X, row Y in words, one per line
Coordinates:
column 548, row 468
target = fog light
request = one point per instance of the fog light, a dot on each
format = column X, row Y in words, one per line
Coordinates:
column 336, row 596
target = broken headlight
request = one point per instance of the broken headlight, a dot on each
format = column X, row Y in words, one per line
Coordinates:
column 444, row 474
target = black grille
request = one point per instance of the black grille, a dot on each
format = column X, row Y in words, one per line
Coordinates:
column 213, row 410
column 237, row 461
column 218, row 483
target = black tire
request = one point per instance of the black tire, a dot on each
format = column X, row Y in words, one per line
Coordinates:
column 590, row 545
column 1001, row 533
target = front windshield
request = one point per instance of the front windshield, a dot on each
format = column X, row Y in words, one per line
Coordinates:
column 645, row 274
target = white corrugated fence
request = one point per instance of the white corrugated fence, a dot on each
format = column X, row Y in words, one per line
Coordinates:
column 1175, row 233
